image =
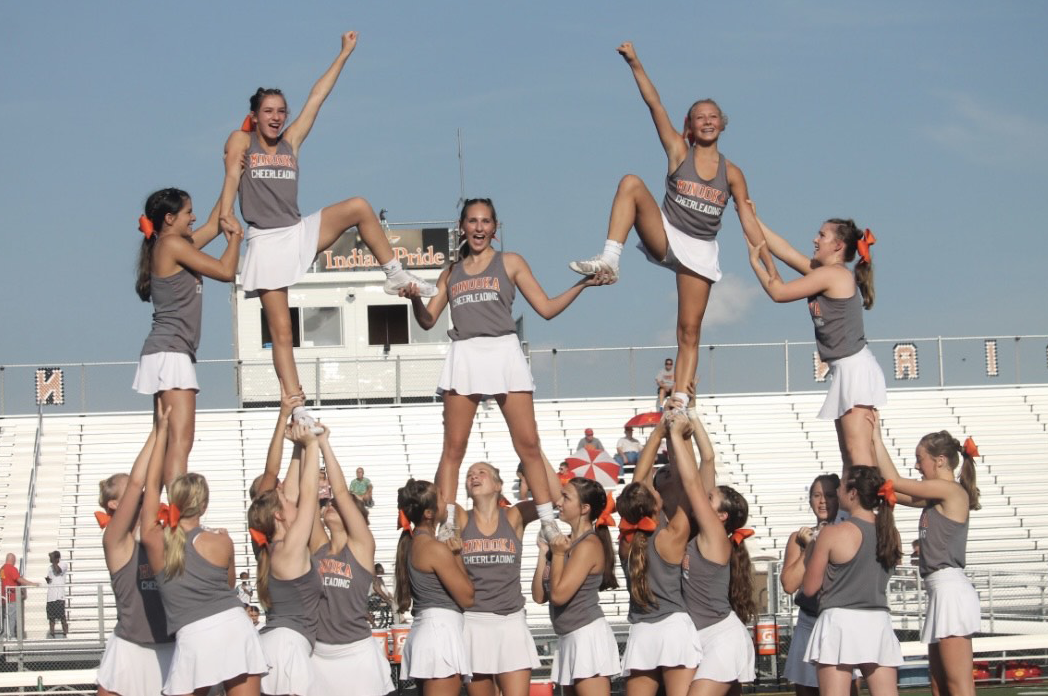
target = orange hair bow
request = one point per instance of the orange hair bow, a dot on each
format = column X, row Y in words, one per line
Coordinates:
column 628, row 529
column 164, row 515
column 865, row 242
column 145, row 226
column 103, row 519
column 887, row 491
column 970, row 449
column 248, row 125
column 504, row 502
column 258, row 537
column 740, row 535
column 605, row 519
column 403, row 522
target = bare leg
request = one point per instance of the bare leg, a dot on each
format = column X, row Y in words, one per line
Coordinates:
column 834, row 680
column 693, row 294
column 954, row 655
column 278, row 316
column 180, row 431
column 447, row 686
column 678, row 680
column 516, row 683
column 482, row 685
column 881, row 680
column 459, row 411
column 519, row 411
column 643, row 683
column 855, row 436
column 634, row 206
column 591, row 686
column 354, row 212
column 244, row 685
column 801, row 690
column 708, row 687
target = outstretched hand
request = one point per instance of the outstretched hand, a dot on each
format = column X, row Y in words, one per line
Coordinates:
column 231, row 228
column 411, row 291
column 301, row 434
column 349, row 42
column 626, row 50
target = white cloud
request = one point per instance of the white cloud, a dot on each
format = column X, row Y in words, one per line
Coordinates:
column 730, row 302
column 989, row 134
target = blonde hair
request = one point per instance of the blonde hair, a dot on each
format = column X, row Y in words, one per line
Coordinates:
column 190, row 494
column 107, row 490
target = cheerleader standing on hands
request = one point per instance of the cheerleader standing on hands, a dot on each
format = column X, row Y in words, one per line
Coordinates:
column 953, row 613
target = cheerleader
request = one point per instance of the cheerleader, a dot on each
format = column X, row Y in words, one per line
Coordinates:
column 289, row 587
column 485, row 358
column 431, row 581
column 195, row 571
column 849, row 570
column 575, row 568
column 822, row 498
column 138, row 653
column 836, row 296
column 345, row 555
column 171, row 268
column 662, row 643
column 953, row 612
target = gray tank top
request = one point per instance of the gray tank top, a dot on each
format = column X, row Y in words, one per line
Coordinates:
column 693, row 205
column 705, row 588
column 493, row 564
column 666, row 581
column 344, row 609
column 584, row 606
column 201, row 591
column 427, row 592
column 943, row 541
column 177, row 304
column 861, row 582
column 481, row 304
column 295, row 603
column 269, row 186
column 838, row 325
column 139, row 611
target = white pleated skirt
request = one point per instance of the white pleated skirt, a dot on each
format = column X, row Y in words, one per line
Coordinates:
column 354, row 669
column 130, row 668
column 699, row 255
column 287, row 652
column 486, row 365
column 669, row 642
column 854, row 637
column 214, row 649
column 953, row 606
column 159, row 372
column 278, row 257
column 727, row 652
column 434, row 648
column 590, row 651
column 856, row 380
column 499, row 643
column 797, row 670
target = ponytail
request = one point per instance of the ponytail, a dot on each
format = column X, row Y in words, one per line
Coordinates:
column 864, row 281
column 607, row 581
column 967, row 481
column 635, row 504
column 414, row 498
column 174, row 552
column 878, row 496
column 262, row 584
column 261, row 522
column 858, row 242
column 943, row 444
column 402, row 588
column 637, row 567
column 740, row 583
column 889, row 545
column 190, row 494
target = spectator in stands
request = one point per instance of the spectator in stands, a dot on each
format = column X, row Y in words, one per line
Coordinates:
column 627, row 449
column 244, row 590
column 253, row 613
column 171, row 267
column 379, row 589
column 57, row 577
column 664, row 381
column 953, row 610
column 11, row 579
column 564, row 473
column 361, row 487
column 589, row 442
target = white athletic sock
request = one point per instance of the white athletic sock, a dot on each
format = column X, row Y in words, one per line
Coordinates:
column 545, row 511
column 682, row 397
column 612, row 252
column 392, row 267
column 450, row 522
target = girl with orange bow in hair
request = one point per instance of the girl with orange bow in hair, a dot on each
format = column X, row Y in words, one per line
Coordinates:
column 171, row 268
column 431, row 581
column 836, row 296
column 215, row 641
column 848, row 571
column 281, row 522
column 261, row 160
column 571, row 571
column 953, row 610
column 663, row 643
column 138, row 653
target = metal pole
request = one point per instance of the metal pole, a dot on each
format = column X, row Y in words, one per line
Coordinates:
column 83, row 388
column 316, row 380
column 989, row 592
column 101, row 618
column 556, row 386
column 941, row 380
column 238, row 375
column 711, row 371
column 1017, row 380
column 633, row 375
column 397, row 400
column 2, row 410
column 786, row 355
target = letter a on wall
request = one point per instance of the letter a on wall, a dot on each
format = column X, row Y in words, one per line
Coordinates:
column 49, row 387
column 904, row 356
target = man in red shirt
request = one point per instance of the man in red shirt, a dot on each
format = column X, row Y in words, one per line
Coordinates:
column 10, row 579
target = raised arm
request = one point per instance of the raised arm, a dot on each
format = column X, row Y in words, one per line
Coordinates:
column 186, row 254
column 361, row 540
column 712, row 540
column 672, row 141
column 298, row 533
column 275, row 453
column 118, row 531
column 643, row 471
column 233, row 160
column 151, row 532
column 751, row 228
column 520, row 273
column 815, row 565
column 203, row 234
column 707, row 455
column 427, row 314
column 445, row 559
column 906, row 490
column 566, row 577
column 792, row 575
column 819, row 280
column 299, row 129
column 778, row 246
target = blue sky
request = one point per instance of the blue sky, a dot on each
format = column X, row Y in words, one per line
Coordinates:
column 924, row 121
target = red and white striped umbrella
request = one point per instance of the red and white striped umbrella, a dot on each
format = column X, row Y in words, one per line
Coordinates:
column 594, row 464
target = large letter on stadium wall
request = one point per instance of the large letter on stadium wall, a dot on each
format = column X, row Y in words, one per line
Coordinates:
column 905, row 358
column 991, row 358
column 49, row 389
column 821, row 368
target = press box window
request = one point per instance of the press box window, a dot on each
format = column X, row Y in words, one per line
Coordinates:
column 310, row 327
column 387, row 324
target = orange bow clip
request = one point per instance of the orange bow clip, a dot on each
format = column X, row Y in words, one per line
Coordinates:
column 163, row 515
column 887, row 491
column 403, row 522
column 970, row 449
column 865, row 242
column 258, row 537
column 740, row 535
column 628, row 529
column 605, row 519
column 504, row 503
column 103, row 519
column 145, row 226
column 248, row 125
